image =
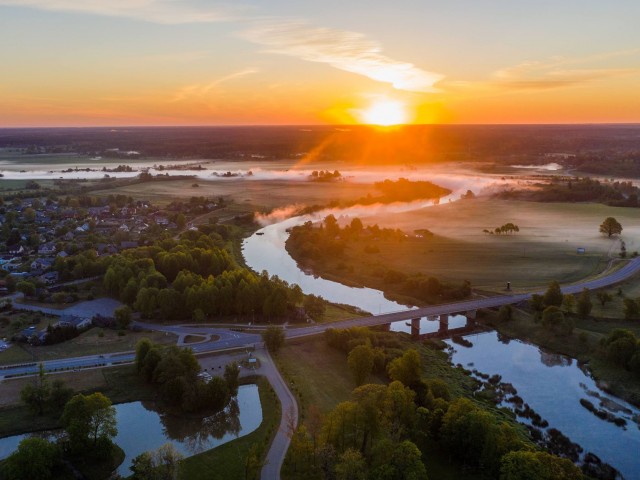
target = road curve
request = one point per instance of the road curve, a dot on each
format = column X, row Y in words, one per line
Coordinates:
column 288, row 419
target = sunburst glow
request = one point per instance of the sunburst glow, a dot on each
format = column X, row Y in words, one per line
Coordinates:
column 385, row 112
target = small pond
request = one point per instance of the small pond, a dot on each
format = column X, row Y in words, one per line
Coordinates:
column 142, row 427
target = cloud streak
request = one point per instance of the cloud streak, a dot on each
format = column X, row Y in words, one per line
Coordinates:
column 344, row 50
column 558, row 73
column 155, row 11
column 200, row 90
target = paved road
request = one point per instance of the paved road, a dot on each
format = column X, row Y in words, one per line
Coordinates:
column 280, row 443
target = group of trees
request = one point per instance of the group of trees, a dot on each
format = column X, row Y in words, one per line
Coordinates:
column 175, row 371
column 508, row 228
column 555, row 310
column 622, row 348
column 195, row 278
column 325, row 175
column 384, row 431
column 89, row 422
column 403, row 190
column 43, row 396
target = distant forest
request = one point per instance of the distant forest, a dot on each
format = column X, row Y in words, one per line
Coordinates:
column 354, row 144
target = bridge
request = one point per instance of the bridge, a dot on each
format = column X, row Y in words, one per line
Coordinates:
column 227, row 339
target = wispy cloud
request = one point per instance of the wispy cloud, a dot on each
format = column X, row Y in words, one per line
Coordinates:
column 342, row 49
column 157, row 11
column 200, row 89
column 561, row 72
column 345, row 50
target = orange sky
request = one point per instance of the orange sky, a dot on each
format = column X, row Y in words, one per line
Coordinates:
column 163, row 62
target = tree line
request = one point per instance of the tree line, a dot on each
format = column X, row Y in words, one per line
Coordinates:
column 195, row 278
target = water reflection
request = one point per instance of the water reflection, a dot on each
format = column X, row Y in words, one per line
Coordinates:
column 142, row 426
column 554, row 385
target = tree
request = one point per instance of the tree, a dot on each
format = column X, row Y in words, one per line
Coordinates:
column 360, row 362
column 231, row 375
column 351, row 466
column 35, row 395
column 28, row 289
column 526, row 465
column 407, row 368
column 314, row 306
column 537, row 302
column 584, row 303
column 552, row 316
column 35, row 459
column 553, row 295
column 631, row 308
column 89, row 420
column 123, row 316
column 160, row 464
column 603, row 297
column 273, row 338
column 610, row 227
column 143, row 347
column 569, row 302
column 505, row 313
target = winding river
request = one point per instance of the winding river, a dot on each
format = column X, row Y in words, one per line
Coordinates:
column 552, row 385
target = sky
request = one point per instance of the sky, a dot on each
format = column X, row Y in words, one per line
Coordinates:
column 253, row 62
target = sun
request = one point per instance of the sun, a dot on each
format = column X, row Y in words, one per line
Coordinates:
column 385, row 112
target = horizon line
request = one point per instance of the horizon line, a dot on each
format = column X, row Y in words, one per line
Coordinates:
column 316, row 125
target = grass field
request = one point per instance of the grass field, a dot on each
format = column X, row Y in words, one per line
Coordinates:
column 262, row 194
column 87, row 343
column 544, row 250
column 229, row 460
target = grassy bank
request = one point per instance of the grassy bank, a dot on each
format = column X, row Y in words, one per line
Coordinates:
column 229, row 460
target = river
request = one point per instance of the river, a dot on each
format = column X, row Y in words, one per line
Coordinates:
column 551, row 384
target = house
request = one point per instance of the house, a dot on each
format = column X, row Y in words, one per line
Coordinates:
column 62, row 254
column 124, row 245
column 68, row 236
column 73, row 321
column 50, row 278
column 104, row 249
column 47, row 248
column 42, row 264
column 16, row 250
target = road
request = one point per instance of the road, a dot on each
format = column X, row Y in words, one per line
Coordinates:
column 288, row 419
column 227, row 339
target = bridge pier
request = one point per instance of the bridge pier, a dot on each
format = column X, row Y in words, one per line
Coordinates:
column 444, row 323
column 415, row 327
column 471, row 318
